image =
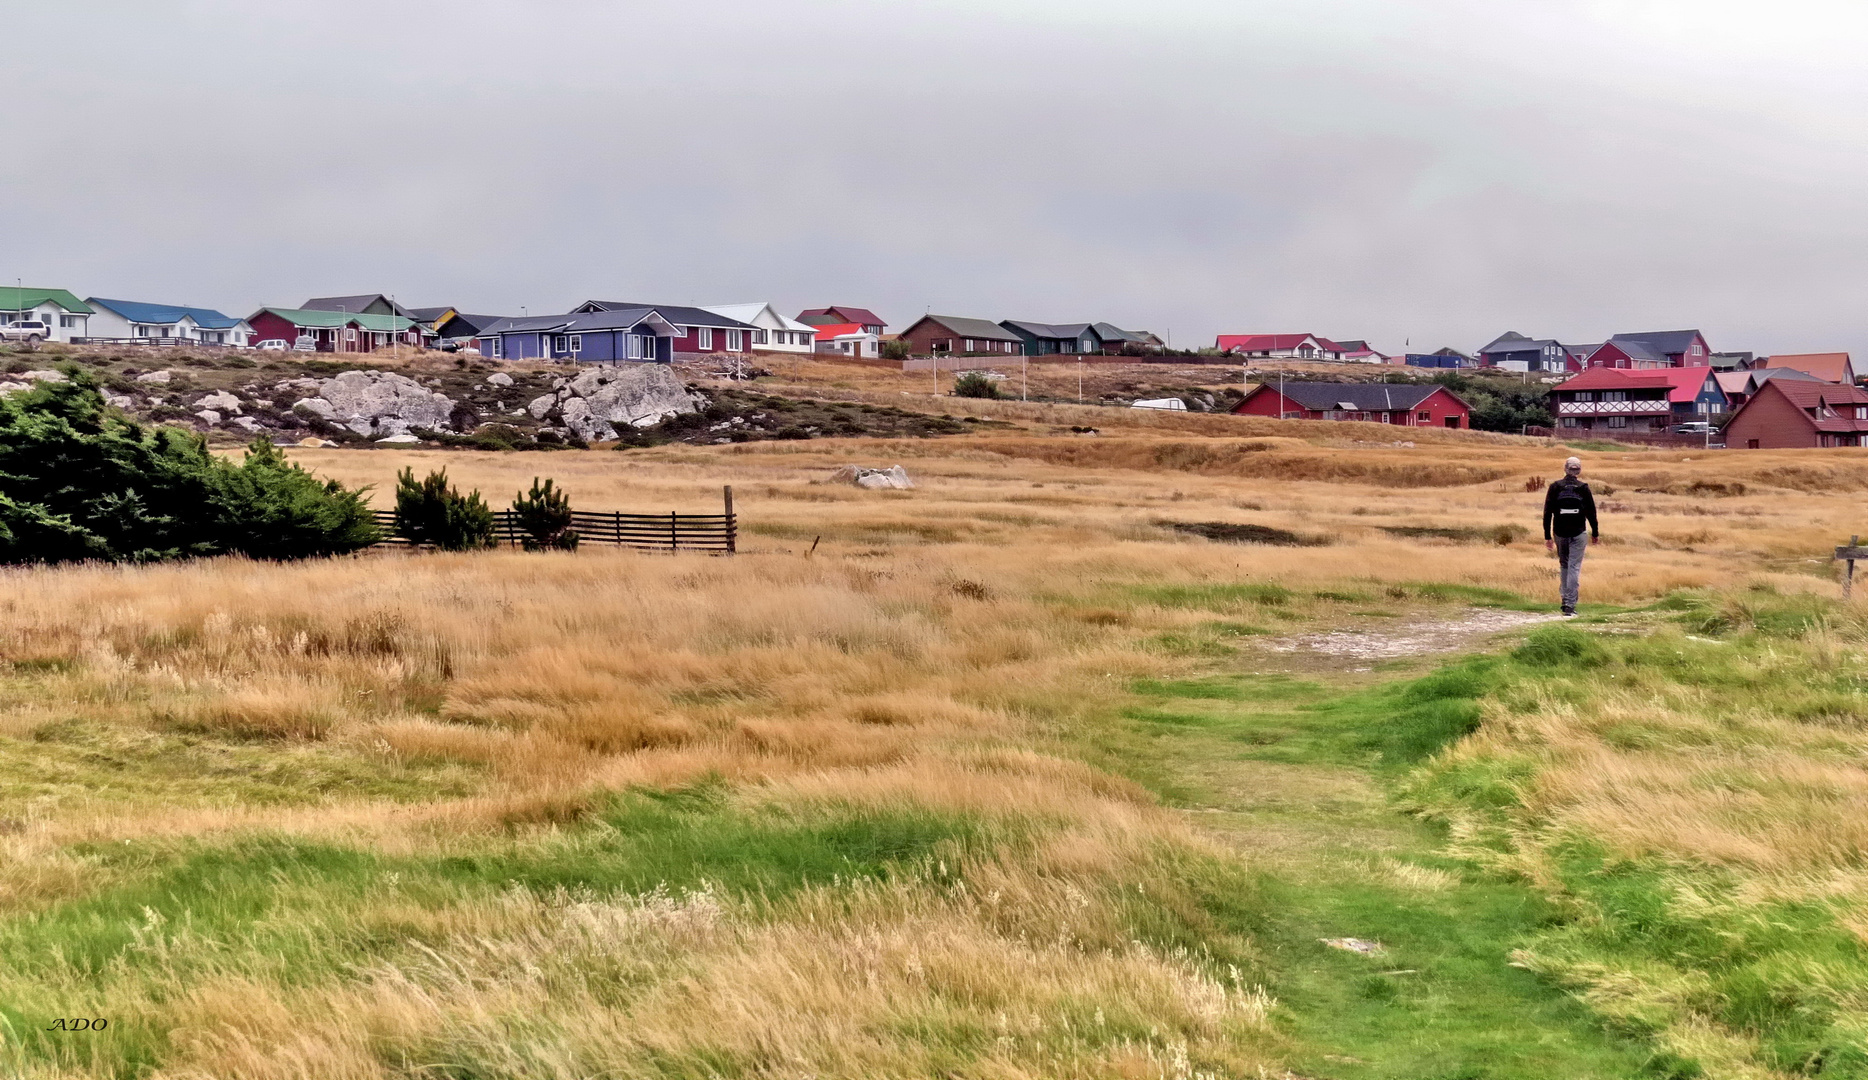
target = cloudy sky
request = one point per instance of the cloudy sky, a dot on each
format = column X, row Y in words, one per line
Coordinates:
column 1424, row 171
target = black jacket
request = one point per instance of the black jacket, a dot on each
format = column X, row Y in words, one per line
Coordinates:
column 1570, row 524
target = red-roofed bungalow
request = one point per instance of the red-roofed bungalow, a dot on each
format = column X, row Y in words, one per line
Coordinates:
column 841, row 315
column 1795, row 413
column 1281, row 346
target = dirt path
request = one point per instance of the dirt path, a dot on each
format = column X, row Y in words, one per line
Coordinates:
column 1417, row 639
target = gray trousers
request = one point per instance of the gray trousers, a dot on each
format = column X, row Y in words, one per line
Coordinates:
column 1570, row 551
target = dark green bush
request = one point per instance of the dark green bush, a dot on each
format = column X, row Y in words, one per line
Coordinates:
column 896, row 349
column 431, row 512
column 544, row 516
column 80, row 481
column 975, row 385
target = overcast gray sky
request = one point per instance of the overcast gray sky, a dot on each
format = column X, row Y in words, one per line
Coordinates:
column 1433, row 171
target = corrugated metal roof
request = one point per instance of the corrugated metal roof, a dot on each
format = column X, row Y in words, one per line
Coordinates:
column 1355, row 397
column 1662, row 343
column 166, row 314
column 1058, row 331
column 13, row 298
column 352, row 303
column 679, row 314
column 328, row 320
column 960, row 326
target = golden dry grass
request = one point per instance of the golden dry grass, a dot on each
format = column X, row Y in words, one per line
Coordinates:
column 935, row 654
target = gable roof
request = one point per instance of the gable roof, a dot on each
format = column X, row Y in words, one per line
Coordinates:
column 353, row 304
column 579, row 322
column 960, row 326
column 1832, row 367
column 1660, row 343
column 329, row 320
column 1357, row 397
column 166, row 314
column 466, row 324
column 17, row 299
column 1809, row 394
column 1056, row 331
column 1111, row 333
column 749, row 314
column 1272, row 342
column 679, row 314
column 843, row 314
column 1681, row 384
column 832, row 331
column 1513, row 342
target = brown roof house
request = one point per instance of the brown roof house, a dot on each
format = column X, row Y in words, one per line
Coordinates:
column 1832, row 367
column 1796, row 413
column 951, row 335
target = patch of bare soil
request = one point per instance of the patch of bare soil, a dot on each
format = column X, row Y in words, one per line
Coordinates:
column 1414, row 639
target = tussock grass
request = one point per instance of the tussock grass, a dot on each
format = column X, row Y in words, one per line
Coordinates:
column 895, row 806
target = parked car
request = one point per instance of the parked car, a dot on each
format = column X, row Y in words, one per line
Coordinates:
column 1692, row 427
column 30, row 332
column 273, row 344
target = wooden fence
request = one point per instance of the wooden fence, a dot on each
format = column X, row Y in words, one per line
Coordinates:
column 712, row 534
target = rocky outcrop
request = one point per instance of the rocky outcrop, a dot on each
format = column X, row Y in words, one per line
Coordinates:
column 593, row 404
column 220, row 402
column 378, row 403
column 894, row 477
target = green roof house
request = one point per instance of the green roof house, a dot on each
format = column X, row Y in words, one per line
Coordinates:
column 65, row 316
column 337, row 331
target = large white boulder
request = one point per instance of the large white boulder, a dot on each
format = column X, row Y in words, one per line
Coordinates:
column 380, row 403
column 220, row 401
column 634, row 394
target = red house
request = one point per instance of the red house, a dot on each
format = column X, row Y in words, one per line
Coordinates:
column 336, row 331
column 843, row 315
column 1376, row 403
column 1282, row 346
column 1797, row 413
column 1653, row 349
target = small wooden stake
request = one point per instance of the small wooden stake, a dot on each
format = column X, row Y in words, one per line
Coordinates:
column 1849, row 555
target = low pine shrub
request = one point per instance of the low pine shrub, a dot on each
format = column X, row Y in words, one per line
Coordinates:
column 433, row 513
column 81, row 481
column 544, row 516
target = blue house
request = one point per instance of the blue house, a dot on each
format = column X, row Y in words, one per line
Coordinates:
column 164, row 324
column 636, row 335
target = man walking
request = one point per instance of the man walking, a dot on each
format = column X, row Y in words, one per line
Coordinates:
column 1569, row 508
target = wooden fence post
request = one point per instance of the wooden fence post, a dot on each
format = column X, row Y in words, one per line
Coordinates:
column 674, row 532
column 731, row 531
column 1850, row 554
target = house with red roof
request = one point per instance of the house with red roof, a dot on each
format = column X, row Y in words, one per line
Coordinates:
column 849, row 339
column 843, row 314
column 1645, row 401
column 1653, row 349
column 1800, row 413
column 1835, row 367
column 1282, row 346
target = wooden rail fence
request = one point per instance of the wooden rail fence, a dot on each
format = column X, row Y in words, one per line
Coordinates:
column 713, row 534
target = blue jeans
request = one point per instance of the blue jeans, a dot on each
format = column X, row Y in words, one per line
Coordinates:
column 1570, row 551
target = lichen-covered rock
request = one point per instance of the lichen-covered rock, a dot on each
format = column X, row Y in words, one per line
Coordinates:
column 542, row 405
column 499, row 378
column 634, row 394
column 579, row 418
column 220, row 401
column 316, row 406
column 155, row 376
column 381, row 402
column 208, row 417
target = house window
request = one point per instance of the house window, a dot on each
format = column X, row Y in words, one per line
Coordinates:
column 703, row 337
column 1385, row 418
column 735, row 341
column 1584, row 395
column 1614, row 395
column 1698, row 349
column 577, row 343
column 1618, row 421
column 1571, row 421
column 969, row 345
column 1861, row 412
column 758, row 337
column 559, row 343
column 1424, row 417
column 67, row 321
column 498, row 351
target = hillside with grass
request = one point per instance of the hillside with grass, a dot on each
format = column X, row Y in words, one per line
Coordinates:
column 1123, row 745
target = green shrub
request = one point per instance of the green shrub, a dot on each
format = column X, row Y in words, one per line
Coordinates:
column 431, row 512
column 81, row 481
column 896, row 350
column 544, row 516
column 975, row 385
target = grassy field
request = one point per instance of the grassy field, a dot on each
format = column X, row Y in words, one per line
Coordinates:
column 1007, row 776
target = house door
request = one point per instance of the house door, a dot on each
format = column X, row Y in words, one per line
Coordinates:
column 1452, row 421
column 1751, row 444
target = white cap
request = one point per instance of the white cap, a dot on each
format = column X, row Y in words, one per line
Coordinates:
column 1574, row 464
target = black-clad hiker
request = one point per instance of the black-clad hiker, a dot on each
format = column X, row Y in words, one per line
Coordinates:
column 1569, row 509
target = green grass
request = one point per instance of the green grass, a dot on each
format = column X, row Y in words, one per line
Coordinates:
column 296, row 912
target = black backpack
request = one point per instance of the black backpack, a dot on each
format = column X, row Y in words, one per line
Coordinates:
column 1570, row 517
